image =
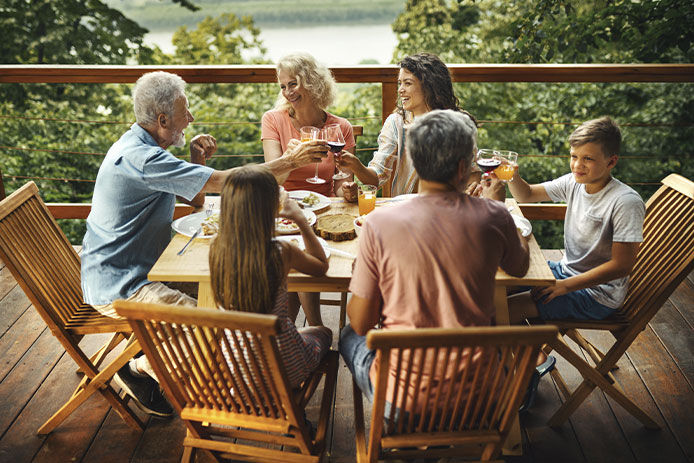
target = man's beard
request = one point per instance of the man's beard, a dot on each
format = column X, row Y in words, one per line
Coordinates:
column 180, row 140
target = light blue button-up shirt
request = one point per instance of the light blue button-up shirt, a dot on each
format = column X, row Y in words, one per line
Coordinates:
column 130, row 222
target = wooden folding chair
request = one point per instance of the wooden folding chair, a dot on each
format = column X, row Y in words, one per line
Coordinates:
column 245, row 396
column 665, row 258
column 480, row 378
column 47, row 268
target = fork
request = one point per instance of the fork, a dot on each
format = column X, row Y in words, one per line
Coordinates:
column 208, row 212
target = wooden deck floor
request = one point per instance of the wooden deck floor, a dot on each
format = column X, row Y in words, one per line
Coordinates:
column 36, row 376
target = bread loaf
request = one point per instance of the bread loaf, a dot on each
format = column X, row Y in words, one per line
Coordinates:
column 336, row 227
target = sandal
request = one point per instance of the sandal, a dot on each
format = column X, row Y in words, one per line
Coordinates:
column 539, row 372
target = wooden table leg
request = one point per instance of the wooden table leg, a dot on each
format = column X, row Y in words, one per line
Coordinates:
column 205, row 297
column 514, row 442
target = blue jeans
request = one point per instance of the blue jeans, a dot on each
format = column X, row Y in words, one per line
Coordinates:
column 576, row 304
column 358, row 359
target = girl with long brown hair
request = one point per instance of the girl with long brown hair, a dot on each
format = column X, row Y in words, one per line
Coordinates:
column 248, row 267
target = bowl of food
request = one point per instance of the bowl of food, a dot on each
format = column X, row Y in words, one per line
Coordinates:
column 358, row 223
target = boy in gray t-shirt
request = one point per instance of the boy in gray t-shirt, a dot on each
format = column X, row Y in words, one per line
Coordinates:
column 602, row 231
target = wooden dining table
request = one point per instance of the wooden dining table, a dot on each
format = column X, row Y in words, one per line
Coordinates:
column 192, row 266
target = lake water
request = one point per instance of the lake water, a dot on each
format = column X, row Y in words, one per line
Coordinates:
column 331, row 45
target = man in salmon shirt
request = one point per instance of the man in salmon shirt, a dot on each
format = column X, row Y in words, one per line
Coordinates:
column 430, row 261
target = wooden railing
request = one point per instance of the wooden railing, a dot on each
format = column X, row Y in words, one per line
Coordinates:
column 385, row 75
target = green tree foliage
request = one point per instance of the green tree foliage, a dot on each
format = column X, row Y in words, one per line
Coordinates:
column 648, row 31
column 39, row 115
column 67, row 32
column 434, row 26
column 657, row 121
column 230, row 112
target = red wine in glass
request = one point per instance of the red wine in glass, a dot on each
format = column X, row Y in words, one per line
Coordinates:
column 335, row 147
column 336, row 143
column 488, row 164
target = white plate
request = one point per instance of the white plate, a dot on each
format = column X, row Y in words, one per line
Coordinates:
column 299, row 241
column 323, row 203
column 189, row 224
column 310, row 216
column 523, row 225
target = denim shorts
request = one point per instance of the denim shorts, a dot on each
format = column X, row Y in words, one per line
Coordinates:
column 576, row 304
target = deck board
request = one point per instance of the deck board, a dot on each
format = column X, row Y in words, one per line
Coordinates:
column 658, row 371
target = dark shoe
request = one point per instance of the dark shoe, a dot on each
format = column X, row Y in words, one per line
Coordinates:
column 539, row 372
column 144, row 391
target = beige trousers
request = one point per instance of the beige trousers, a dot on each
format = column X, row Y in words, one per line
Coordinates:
column 152, row 293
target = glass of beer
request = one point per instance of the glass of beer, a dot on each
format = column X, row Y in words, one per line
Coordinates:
column 367, row 199
column 509, row 161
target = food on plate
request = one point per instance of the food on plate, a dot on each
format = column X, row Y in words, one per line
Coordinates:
column 283, row 225
column 210, row 225
column 310, row 199
column 358, row 223
column 336, row 227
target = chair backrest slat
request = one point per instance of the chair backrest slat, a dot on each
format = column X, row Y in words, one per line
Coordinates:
column 426, row 397
column 439, row 387
column 40, row 257
column 449, row 410
column 460, row 382
column 217, row 361
column 667, row 250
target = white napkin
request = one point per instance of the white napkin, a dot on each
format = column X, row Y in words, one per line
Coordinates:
column 522, row 224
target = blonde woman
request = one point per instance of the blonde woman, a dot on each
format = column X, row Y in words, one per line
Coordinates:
column 307, row 88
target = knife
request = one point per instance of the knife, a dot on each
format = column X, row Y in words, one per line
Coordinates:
column 340, row 253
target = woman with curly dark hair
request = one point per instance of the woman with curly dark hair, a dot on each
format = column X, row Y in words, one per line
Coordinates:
column 424, row 84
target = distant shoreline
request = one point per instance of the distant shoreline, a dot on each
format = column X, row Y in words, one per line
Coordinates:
column 366, row 42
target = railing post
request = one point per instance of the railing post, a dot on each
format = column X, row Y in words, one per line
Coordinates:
column 199, row 200
column 2, row 187
column 389, row 95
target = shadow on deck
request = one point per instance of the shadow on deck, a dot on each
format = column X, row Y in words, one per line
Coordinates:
column 36, row 377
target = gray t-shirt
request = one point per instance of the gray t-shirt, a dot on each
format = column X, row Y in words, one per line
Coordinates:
column 593, row 222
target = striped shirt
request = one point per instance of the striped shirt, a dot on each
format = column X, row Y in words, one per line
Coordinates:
column 301, row 350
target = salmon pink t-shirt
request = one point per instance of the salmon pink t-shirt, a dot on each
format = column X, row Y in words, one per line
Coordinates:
column 277, row 125
column 432, row 260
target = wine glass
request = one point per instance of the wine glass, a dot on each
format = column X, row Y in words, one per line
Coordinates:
column 487, row 160
column 336, row 142
column 309, row 133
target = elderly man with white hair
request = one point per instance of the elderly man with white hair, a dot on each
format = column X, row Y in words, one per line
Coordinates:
column 430, row 261
column 133, row 204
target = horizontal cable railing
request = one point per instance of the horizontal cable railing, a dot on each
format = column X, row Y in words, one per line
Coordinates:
column 385, row 75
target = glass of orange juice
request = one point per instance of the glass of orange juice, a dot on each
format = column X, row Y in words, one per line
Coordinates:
column 367, row 199
column 509, row 161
